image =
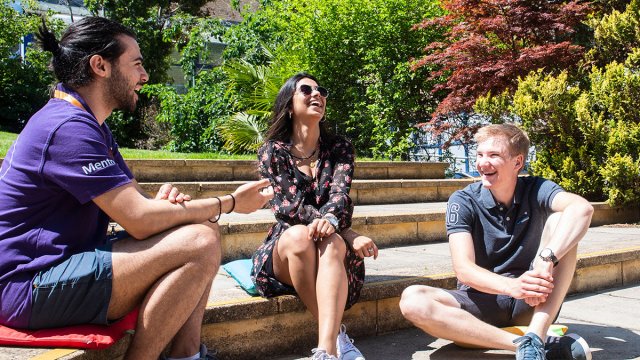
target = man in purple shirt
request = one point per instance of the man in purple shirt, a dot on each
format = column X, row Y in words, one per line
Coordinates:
column 61, row 182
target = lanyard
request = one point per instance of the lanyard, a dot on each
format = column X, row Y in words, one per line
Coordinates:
column 58, row 94
column 68, row 97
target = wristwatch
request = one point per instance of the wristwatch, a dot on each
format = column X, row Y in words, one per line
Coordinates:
column 547, row 254
column 333, row 220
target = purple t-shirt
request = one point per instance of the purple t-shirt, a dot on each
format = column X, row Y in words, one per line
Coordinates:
column 58, row 164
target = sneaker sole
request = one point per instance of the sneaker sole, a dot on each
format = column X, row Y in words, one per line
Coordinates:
column 580, row 340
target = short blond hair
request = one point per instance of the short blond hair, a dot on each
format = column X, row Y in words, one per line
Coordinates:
column 516, row 139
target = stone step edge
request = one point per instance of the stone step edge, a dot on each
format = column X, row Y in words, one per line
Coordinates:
column 378, row 312
column 620, row 267
column 357, row 183
column 603, row 215
column 186, row 170
column 247, row 308
column 363, row 192
column 388, row 228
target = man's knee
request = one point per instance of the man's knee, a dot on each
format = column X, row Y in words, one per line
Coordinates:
column 204, row 243
column 416, row 300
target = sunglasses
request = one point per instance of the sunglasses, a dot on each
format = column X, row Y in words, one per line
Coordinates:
column 308, row 89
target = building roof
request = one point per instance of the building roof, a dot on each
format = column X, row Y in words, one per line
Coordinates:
column 222, row 9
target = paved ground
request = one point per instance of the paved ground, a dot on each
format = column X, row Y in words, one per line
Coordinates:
column 608, row 320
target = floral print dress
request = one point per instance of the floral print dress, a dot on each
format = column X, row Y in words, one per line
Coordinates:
column 299, row 199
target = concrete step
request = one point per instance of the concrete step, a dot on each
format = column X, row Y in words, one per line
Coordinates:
column 243, row 327
column 231, row 170
column 389, row 225
column 607, row 319
column 608, row 257
column 363, row 192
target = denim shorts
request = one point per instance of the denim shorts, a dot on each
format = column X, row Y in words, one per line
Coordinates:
column 76, row 291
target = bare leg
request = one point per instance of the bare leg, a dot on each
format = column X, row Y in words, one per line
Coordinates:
column 295, row 262
column 437, row 313
column 315, row 269
column 170, row 273
column 332, row 288
column 562, row 276
column 189, row 335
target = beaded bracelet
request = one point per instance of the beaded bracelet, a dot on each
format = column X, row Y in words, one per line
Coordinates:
column 219, row 211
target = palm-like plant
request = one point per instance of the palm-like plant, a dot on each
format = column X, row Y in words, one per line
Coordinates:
column 243, row 133
column 255, row 87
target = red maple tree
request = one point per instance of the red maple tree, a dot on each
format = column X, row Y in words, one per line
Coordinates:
column 493, row 42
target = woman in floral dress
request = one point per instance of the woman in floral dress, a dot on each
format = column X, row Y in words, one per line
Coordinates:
column 311, row 250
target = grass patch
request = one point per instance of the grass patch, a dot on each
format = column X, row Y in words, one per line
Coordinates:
column 164, row 154
column 6, row 139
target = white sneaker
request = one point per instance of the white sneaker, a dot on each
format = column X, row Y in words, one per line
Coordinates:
column 321, row 354
column 346, row 349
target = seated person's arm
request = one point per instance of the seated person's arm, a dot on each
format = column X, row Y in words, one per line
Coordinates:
column 530, row 284
column 142, row 217
column 574, row 222
column 166, row 192
column 141, row 190
column 340, row 204
column 359, row 243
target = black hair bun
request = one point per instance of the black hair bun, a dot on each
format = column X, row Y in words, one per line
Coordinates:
column 47, row 39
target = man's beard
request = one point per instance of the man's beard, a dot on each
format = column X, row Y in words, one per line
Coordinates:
column 117, row 88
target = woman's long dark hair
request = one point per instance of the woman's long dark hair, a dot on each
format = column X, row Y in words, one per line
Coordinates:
column 281, row 124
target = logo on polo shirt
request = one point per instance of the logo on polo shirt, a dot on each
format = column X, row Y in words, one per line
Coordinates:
column 99, row 165
column 452, row 213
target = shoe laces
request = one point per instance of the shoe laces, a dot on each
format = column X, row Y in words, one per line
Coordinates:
column 529, row 348
column 321, row 354
column 345, row 343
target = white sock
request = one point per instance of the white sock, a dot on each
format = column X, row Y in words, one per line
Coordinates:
column 192, row 357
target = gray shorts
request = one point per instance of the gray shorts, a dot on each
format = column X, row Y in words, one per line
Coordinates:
column 76, row 291
column 497, row 310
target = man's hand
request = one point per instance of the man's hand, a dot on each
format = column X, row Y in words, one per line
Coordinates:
column 534, row 285
column 171, row 193
column 252, row 196
column 542, row 267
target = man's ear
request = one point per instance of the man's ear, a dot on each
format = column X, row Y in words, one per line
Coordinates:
column 520, row 162
column 101, row 68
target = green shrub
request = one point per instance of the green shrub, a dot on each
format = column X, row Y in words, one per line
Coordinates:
column 192, row 116
column 621, row 176
column 24, row 83
column 585, row 125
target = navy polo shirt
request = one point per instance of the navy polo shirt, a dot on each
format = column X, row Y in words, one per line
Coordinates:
column 505, row 240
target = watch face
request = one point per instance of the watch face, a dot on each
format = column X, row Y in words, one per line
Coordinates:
column 545, row 253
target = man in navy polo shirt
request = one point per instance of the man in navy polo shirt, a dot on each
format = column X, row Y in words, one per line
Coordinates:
column 513, row 244
column 63, row 179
